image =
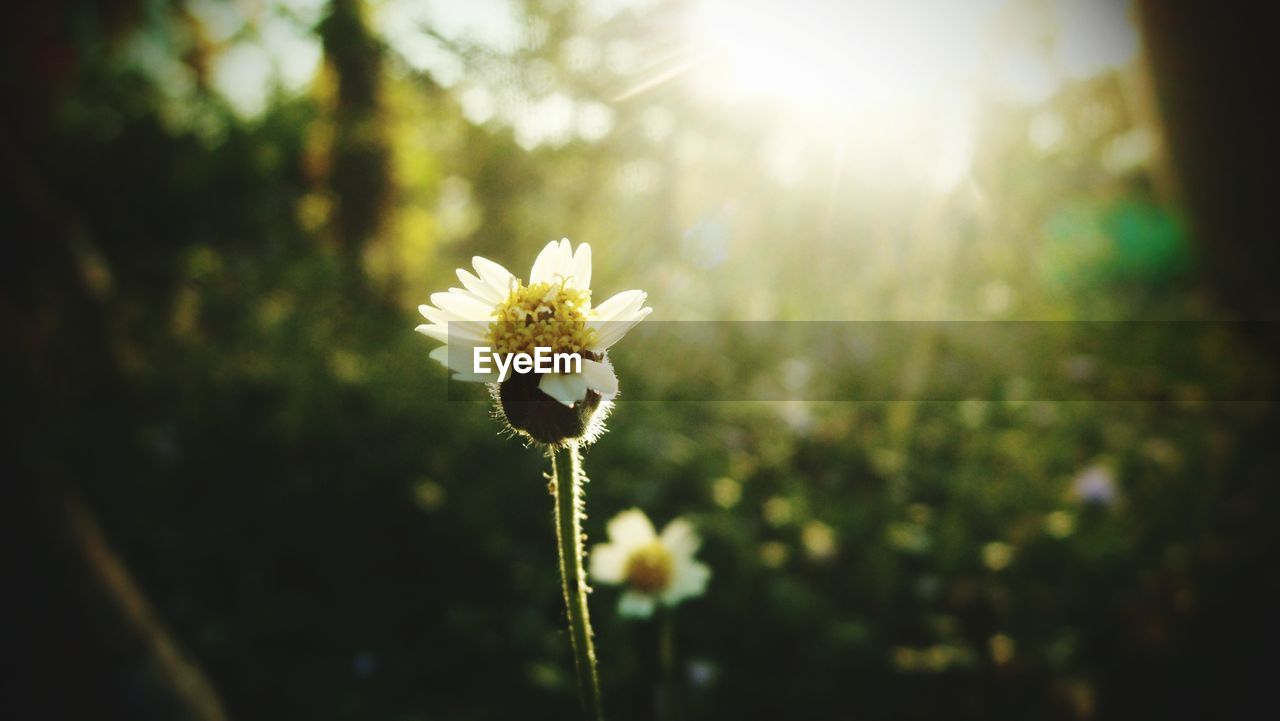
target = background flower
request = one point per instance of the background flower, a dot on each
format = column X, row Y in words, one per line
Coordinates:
column 655, row 568
column 1095, row 485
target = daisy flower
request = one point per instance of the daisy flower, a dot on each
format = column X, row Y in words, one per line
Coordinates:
column 1095, row 485
column 655, row 568
column 500, row 312
column 497, row 316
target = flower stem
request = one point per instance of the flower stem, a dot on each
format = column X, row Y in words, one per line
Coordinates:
column 666, row 666
column 566, row 487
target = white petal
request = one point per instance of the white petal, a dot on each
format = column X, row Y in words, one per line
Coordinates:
column 582, row 267
column 611, row 332
column 467, row 329
column 494, row 275
column 463, row 334
column 441, row 355
column 566, row 256
column 635, row 605
column 470, row 332
column 600, row 377
column 577, row 384
column 546, row 265
column 453, row 330
column 553, row 385
column 435, row 315
column 481, row 289
column 689, row 579
column 562, row 261
column 620, row 305
column 568, row 388
column 631, row 528
column 608, row 563
column 459, row 357
column 434, row 332
column 467, row 332
column 456, row 325
column 680, row 538
column 463, row 305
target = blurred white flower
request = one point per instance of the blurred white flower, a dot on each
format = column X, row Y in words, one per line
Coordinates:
column 701, row 672
column 655, row 568
column 1095, row 485
column 496, row 310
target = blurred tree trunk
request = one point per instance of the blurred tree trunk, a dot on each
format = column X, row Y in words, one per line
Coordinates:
column 359, row 178
column 80, row 640
column 86, row 643
column 1213, row 71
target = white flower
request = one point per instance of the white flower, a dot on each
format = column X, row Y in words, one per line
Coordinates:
column 496, row 310
column 1095, row 485
column 655, row 568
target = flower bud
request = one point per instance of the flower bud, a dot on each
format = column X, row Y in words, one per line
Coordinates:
column 530, row 412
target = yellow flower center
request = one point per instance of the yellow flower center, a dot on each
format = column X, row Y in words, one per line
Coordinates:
column 649, row 568
column 542, row 315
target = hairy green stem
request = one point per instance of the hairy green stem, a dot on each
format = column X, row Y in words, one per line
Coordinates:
column 566, row 487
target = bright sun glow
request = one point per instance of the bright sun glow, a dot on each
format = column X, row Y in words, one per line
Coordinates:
column 895, row 89
column 845, row 56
